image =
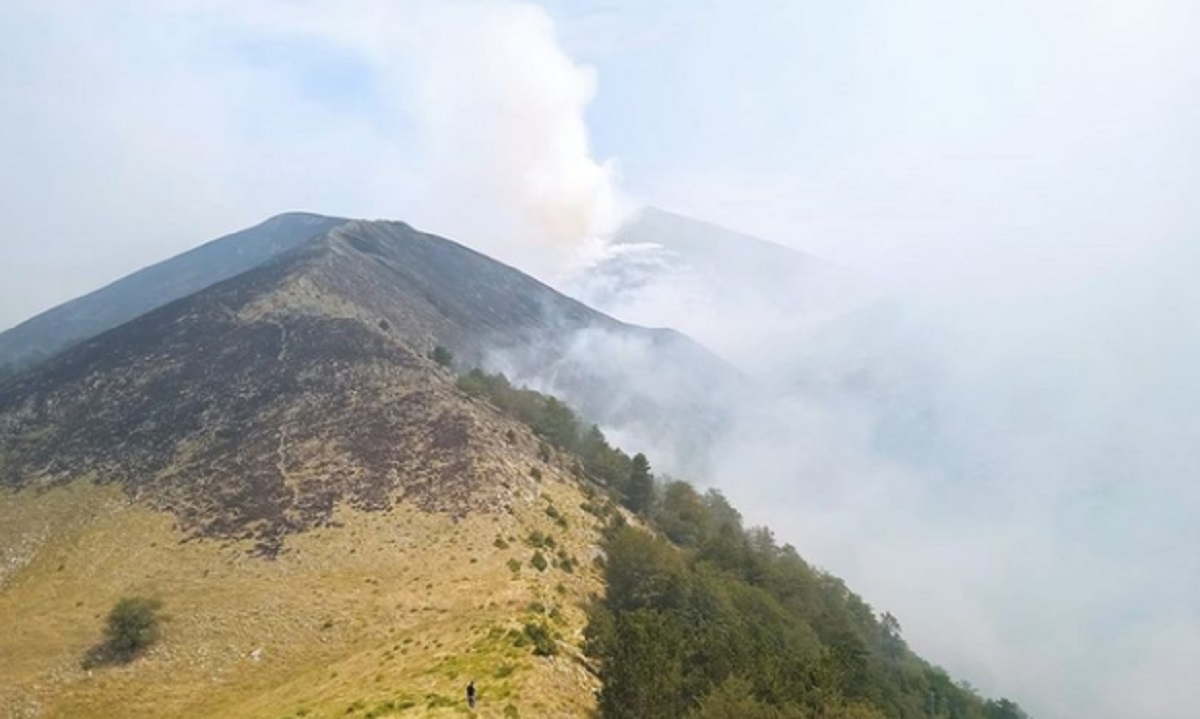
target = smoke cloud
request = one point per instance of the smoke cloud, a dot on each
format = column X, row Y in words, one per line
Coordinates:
column 1008, row 473
column 463, row 118
column 503, row 107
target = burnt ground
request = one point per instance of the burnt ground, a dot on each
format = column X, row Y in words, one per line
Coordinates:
column 249, row 425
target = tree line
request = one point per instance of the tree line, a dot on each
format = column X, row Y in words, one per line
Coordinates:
column 705, row 617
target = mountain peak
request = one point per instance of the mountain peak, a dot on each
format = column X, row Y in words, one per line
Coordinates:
column 255, row 405
column 56, row 329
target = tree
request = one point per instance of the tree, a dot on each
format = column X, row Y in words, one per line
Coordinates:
column 682, row 515
column 734, row 698
column 644, row 675
column 556, row 423
column 641, row 484
column 890, row 641
column 1004, row 709
column 132, row 626
column 442, row 356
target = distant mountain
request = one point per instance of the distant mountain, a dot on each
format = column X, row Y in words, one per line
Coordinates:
column 656, row 246
column 806, row 330
column 52, row 331
column 667, row 269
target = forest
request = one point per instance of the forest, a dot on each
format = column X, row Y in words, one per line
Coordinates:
column 704, row 617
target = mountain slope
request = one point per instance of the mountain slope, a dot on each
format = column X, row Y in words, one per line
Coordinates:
column 52, row 331
column 374, row 612
column 334, row 528
column 658, row 385
column 261, row 376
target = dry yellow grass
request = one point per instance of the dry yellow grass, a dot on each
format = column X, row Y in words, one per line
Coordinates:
column 387, row 614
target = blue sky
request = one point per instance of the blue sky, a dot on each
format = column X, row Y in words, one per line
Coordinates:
column 1025, row 171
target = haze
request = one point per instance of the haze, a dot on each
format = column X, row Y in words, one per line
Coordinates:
column 1018, row 180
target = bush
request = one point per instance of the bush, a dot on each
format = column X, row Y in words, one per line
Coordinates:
column 566, row 562
column 442, row 356
column 538, row 561
column 538, row 540
column 557, row 516
column 131, row 627
column 543, row 641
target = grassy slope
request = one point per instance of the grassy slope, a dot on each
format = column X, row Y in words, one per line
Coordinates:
column 388, row 614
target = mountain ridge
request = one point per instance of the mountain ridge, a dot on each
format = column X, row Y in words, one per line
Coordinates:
column 47, row 333
column 160, row 399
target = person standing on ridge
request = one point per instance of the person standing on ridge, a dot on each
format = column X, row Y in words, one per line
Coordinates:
column 471, row 694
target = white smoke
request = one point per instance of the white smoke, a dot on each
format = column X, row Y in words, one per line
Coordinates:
column 503, row 160
column 1011, row 477
column 502, row 107
column 462, row 117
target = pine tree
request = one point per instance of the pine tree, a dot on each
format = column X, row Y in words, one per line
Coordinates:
column 640, row 495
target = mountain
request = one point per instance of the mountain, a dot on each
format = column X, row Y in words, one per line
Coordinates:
column 431, row 291
column 810, row 333
column 333, row 527
column 657, row 246
column 338, row 525
column 52, row 331
column 313, row 343
column 736, row 294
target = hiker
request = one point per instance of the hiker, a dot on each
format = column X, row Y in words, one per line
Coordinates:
column 471, row 694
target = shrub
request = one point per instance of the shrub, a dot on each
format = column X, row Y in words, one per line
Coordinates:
column 132, row 626
column 442, row 356
column 557, row 516
column 538, row 561
column 537, row 540
column 543, row 641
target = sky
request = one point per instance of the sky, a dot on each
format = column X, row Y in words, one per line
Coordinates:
column 1023, row 174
